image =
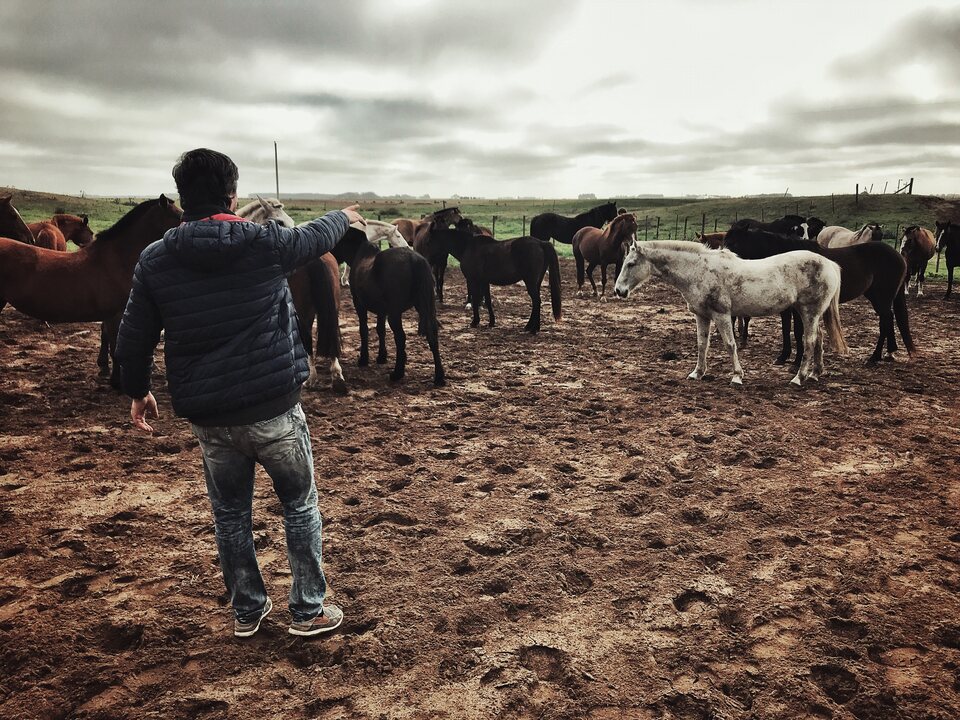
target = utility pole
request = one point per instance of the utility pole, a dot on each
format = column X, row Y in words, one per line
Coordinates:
column 276, row 167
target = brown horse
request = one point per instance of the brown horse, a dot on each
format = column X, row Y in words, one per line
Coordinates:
column 75, row 228
column 407, row 228
column 48, row 235
column 435, row 253
column 918, row 247
column 11, row 224
column 602, row 247
column 90, row 284
column 712, row 240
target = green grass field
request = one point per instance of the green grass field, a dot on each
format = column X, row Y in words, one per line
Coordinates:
column 679, row 218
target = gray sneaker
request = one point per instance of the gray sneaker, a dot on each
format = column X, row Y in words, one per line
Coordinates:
column 246, row 629
column 329, row 619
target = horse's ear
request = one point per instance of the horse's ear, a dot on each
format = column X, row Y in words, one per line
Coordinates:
column 86, row 220
column 698, row 235
column 264, row 204
column 163, row 200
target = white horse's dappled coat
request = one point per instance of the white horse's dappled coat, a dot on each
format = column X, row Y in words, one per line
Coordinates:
column 717, row 284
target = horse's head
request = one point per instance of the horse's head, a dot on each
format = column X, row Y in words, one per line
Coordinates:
column 876, row 231
column 273, row 210
column 909, row 238
column 637, row 269
column 75, row 228
column 607, row 211
column 624, row 227
column 814, row 226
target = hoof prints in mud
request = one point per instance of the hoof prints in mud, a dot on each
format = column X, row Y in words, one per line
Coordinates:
column 837, row 682
column 685, row 600
column 547, row 662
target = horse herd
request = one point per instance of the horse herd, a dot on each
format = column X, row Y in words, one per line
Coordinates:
column 796, row 267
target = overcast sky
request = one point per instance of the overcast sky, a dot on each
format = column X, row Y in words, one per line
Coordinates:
column 548, row 98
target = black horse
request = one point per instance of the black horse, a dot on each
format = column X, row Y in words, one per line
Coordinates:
column 388, row 283
column 948, row 238
column 562, row 229
column 874, row 270
column 814, row 226
column 435, row 255
column 485, row 262
column 786, row 225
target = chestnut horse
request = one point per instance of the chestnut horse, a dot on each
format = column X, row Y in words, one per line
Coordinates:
column 918, row 247
column 11, row 224
column 712, row 240
column 435, row 253
column 603, row 247
column 90, row 284
column 71, row 228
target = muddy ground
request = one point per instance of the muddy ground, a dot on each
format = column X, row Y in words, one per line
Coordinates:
column 569, row 529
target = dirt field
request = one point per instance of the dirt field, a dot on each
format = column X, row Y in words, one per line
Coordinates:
column 569, row 529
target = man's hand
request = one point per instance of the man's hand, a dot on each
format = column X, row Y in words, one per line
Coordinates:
column 353, row 215
column 142, row 409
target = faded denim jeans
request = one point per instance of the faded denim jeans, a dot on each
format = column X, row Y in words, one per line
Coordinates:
column 282, row 446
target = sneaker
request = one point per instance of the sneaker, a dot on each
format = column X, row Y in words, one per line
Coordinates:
column 246, row 629
column 329, row 619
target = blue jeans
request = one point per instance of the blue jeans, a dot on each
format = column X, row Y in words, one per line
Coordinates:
column 282, row 446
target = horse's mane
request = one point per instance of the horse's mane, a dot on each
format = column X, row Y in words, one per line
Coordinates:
column 778, row 240
column 248, row 208
column 121, row 225
column 678, row 245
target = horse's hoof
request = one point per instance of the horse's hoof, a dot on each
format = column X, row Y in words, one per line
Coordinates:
column 440, row 381
column 888, row 358
column 603, row 298
column 381, row 360
column 736, row 380
column 796, row 381
column 394, row 377
column 694, row 376
column 363, row 362
column 338, row 385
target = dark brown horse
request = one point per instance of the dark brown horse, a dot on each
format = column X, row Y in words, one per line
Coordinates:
column 873, row 269
column 546, row 226
column 603, row 247
column 11, row 224
column 388, row 283
column 948, row 239
column 918, row 247
column 435, row 254
column 485, row 262
column 712, row 240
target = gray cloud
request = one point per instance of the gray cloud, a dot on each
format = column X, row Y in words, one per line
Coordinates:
column 929, row 36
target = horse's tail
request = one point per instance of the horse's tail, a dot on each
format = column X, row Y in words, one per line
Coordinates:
column 903, row 321
column 581, row 264
column 323, row 293
column 832, row 320
column 553, row 264
column 425, row 298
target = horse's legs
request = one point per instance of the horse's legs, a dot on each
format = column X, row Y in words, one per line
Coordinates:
column 603, row 282
column 743, row 328
column 345, row 276
column 382, row 337
column 364, row 335
column 921, row 277
column 593, row 285
column 949, row 281
column 533, row 290
column 430, row 324
column 725, row 328
column 703, row 346
column 817, row 355
column 476, row 295
column 441, row 274
column 337, row 382
column 400, row 338
column 485, row 290
column 797, row 335
column 785, row 349
column 103, row 357
column 111, row 327
column 811, row 327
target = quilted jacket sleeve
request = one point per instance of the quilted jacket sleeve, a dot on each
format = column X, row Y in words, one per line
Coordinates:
column 298, row 246
column 138, row 337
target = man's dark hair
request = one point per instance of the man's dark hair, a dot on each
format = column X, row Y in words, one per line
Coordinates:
column 205, row 177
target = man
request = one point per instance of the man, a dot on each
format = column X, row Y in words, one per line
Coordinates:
column 216, row 286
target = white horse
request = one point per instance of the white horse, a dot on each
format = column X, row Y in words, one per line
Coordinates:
column 718, row 284
column 835, row 236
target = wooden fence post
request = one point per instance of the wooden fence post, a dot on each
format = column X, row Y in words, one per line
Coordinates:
column 494, row 228
column 657, row 237
column 524, row 225
column 646, row 225
column 857, row 196
column 685, row 228
column 703, row 224
column 910, row 191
